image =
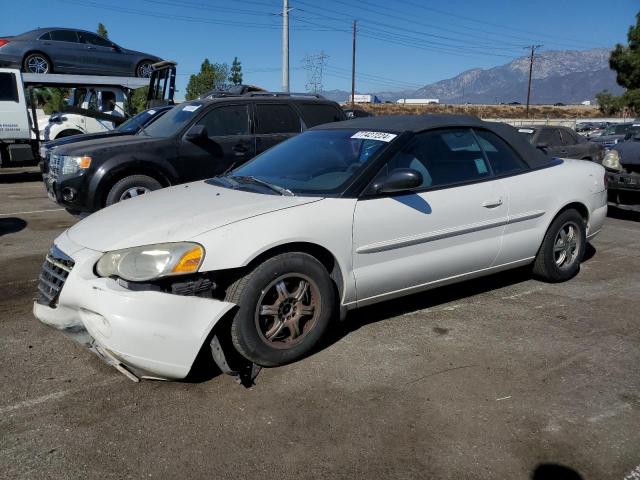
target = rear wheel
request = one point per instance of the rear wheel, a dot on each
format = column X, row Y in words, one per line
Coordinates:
column 285, row 305
column 562, row 249
column 144, row 69
column 130, row 187
column 37, row 63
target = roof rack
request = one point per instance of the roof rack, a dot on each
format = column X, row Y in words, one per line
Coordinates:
column 283, row 94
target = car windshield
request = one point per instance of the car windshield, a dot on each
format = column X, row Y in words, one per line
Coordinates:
column 134, row 123
column 172, row 121
column 317, row 162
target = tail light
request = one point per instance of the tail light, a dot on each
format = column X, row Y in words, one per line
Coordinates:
column 3, row 42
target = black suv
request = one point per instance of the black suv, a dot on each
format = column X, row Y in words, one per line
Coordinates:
column 195, row 140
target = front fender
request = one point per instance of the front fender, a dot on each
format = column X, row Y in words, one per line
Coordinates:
column 121, row 165
column 327, row 224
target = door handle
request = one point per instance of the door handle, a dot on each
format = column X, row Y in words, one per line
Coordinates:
column 91, row 48
column 239, row 149
column 492, row 203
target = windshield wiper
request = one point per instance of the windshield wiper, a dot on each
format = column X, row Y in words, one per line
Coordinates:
column 276, row 188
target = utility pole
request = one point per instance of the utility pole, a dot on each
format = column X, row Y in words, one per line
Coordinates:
column 533, row 51
column 285, row 46
column 353, row 67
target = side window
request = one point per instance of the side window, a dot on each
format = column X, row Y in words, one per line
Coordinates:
column 274, row 118
column 93, row 39
column 318, row 113
column 443, row 157
column 501, row 156
column 92, row 100
column 64, row 36
column 550, row 136
column 8, row 87
column 227, row 120
column 46, row 36
column 568, row 138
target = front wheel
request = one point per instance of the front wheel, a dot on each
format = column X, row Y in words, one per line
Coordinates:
column 562, row 248
column 131, row 186
column 285, row 305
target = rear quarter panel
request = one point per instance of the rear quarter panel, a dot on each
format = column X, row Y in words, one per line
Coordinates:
column 535, row 198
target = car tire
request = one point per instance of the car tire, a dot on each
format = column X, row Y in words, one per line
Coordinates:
column 562, row 248
column 285, row 305
column 143, row 69
column 131, row 186
column 37, row 62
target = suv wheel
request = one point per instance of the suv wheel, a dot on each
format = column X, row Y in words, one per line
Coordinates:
column 132, row 186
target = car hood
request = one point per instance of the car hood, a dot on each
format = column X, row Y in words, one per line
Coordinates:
column 107, row 145
column 629, row 152
column 174, row 214
column 153, row 58
column 85, row 137
column 607, row 138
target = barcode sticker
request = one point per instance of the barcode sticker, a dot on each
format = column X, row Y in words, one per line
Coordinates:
column 380, row 136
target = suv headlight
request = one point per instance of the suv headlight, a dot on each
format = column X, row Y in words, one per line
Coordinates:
column 611, row 160
column 71, row 164
column 150, row 262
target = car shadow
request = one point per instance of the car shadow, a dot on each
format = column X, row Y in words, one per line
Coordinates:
column 623, row 214
column 20, row 177
column 552, row 471
column 11, row 225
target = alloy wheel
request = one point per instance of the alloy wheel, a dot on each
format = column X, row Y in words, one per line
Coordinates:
column 133, row 192
column 288, row 309
column 144, row 70
column 567, row 245
column 37, row 64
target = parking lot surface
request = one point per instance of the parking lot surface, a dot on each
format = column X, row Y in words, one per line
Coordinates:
column 502, row 377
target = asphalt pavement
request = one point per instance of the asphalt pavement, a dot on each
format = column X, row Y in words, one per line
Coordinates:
column 499, row 378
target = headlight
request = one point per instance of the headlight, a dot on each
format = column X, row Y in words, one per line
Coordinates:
column 71, row 165
column 149, row 262
column 611, row 160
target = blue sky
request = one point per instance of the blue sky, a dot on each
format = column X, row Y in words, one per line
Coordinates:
column 401, row 43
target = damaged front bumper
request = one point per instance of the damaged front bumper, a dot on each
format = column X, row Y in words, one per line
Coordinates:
column 624, row 190
column 144, row 334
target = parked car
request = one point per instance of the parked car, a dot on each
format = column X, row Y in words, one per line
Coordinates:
column 392, row 205
column 623, row 171
column 195, row 140
column 130, row 127
column 357, row 113
column 616, row 133
column 591, row 129
column 66, row 50
column 562, row 142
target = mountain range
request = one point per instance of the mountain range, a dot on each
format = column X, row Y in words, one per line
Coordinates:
column 566, row 76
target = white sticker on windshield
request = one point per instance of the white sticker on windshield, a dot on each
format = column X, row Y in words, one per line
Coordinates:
column 525, row 130
column 380, row 136
column 151, row 112
column 191, row 108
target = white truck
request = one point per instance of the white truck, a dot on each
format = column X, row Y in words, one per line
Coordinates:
column 98, row 103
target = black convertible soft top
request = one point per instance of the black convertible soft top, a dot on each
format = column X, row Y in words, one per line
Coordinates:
column 419, row 123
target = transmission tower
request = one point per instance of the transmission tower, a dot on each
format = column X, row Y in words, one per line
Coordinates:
column 314, row 65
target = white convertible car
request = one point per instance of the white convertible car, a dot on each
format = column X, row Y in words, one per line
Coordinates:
column 344, row 215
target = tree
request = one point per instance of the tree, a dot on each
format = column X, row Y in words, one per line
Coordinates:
column 609, row 104
column 139, row 100
column 235, row 77
column 212, row 76
column 625, row 60
column 102, row 31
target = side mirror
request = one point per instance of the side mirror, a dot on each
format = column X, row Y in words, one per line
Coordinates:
column 399, row 180
column 195, row 133
column 115, row 48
